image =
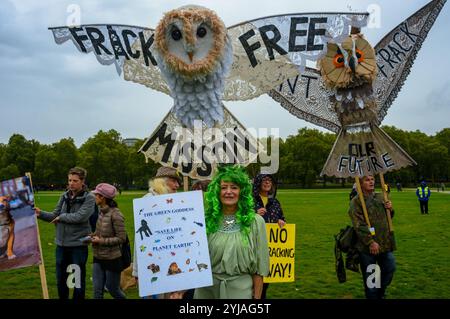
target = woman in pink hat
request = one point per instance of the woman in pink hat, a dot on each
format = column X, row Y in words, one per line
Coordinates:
column 106, row 240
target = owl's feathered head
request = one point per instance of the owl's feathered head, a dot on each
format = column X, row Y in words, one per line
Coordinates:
column 191, row 40
column 349, row 64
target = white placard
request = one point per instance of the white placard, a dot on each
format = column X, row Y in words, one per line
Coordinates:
column 171, row 244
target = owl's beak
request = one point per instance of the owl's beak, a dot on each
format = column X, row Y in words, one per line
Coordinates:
column 352, row 64
column 190, row 55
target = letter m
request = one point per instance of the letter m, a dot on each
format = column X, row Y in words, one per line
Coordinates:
column 160, row 135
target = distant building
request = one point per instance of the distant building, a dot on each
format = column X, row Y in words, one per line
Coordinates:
column 130, row 141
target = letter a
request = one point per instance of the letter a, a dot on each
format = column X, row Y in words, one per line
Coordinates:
column 74, row 279
column 373, row 281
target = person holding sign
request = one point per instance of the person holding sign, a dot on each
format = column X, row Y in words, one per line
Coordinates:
column 267, row 205
column 108, row 236
column 166, row 181
column 375, row 244
column 71, row 217
column 237, row 238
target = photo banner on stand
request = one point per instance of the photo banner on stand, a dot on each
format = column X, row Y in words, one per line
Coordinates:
column 19, row 246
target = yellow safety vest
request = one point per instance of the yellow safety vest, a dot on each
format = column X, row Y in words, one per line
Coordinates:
column 423, row 192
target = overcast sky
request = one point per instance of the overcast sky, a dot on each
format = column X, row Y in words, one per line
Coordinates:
column 51, row 91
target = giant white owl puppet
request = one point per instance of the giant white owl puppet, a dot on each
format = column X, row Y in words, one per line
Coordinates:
column 192, row 56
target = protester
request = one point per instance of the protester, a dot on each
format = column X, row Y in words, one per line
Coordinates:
column 236, row 238
column 166, row 181
column 423, row 194
column 353, row 192
column 267, row 205
column 387, row 188
column 71, row 217
column 106, row 243
column 200, row 185
column 377, row 248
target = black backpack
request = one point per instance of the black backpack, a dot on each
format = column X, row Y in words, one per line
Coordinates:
column 125, row 250
column 345, row 242
column 346, row 239
column 126, row 254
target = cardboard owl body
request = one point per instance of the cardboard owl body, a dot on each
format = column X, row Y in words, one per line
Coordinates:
column 194, row 55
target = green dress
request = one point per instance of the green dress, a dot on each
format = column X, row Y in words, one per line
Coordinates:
column 234, row 262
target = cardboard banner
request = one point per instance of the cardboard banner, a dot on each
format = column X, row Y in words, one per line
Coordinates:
column 171, row 244
column 196, row 153
column 19, row 245
column 281, row 252
column 365, row 152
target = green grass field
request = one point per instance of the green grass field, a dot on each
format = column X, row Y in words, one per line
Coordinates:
column 423, row 255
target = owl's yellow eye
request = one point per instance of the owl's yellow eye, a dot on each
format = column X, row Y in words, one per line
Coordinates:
column 360, row 55
column 201, row 32
column 339, row 60
column 176, row 34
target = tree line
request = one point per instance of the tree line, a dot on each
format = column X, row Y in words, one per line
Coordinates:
column 301, row 158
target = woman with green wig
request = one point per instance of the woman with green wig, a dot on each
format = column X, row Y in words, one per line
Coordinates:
column 237, row 238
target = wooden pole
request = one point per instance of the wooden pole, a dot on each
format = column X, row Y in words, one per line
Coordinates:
column 363, row 204
column 386, row 198
column 41, row 265
column 185, row 183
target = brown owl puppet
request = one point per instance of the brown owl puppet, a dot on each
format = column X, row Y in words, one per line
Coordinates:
column 348, row 71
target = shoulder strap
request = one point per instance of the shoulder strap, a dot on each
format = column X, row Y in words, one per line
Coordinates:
column 114, row 211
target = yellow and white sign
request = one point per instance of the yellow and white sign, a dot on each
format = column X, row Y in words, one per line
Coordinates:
column 281, row 252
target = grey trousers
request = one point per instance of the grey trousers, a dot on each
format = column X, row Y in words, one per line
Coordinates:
column 105, row 278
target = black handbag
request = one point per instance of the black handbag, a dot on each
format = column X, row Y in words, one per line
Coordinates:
column 126, row 253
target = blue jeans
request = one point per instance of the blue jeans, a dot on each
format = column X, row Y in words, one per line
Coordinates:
column 66, row 256
column 105, row 278
column 386, row 262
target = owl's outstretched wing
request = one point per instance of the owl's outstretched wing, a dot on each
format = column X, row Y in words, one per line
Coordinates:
column 306, row 97
column 396, row 53
column 127, row 47
column 269, row 50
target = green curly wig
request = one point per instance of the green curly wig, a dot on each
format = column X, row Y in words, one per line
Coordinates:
column 246, row 211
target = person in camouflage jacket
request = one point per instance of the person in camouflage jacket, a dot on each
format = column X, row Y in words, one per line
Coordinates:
column 373, row 249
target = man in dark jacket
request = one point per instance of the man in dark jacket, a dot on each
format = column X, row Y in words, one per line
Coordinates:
column 266, row 205
column 375, row 244
column 71, row 217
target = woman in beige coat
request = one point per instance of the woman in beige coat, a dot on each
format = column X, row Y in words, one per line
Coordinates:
column 109, row 235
